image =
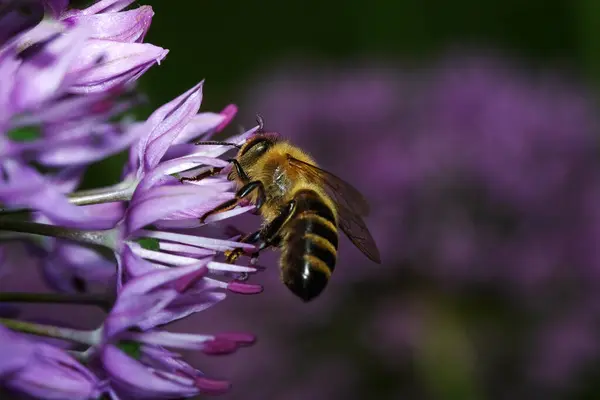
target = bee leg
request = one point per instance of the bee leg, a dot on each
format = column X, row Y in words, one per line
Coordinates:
column 239, row 170
column 232, row 255
column 214, row 171
column 273, row 229
column 241, row 194
column 268, row 236
column 249, row 188
column 205, row 174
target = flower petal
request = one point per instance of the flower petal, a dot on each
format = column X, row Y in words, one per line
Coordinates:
column 104, row 64
column 142, row 382
column 101, row 142
column 188, row 341
column 54, row 375
column 126, row 26
column 133, row 265
column 161, row 201
column 129, row 313
column 165, row 124
column 9, row 65
column 143, row 296
column 45, row 65
column 16, row 352
column 188, row 303
column 207, row 243
column 68, row 266
column 177, row 165
column 67, row 179
column 26, row 187
column 201, row 124
column 104, row 6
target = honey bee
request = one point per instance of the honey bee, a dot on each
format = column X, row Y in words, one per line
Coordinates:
column 302, row 207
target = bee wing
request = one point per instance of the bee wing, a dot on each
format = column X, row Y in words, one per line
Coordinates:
column 341, row 191
column 350, row 204
column 354, row 227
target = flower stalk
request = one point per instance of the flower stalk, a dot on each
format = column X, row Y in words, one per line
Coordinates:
column 73, row 335
column 122, row 191
column 119, row 192
column 102, row 301
column 96, row 238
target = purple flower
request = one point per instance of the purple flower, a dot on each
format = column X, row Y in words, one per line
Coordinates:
column 23, row 186
column 68, row 82
column 43, row 371
column 162, row 375
column 42, row 74
column 142, row 297
column 157, row 373
column 54, row 375
column 69, row 267
column 103, row 64
column 16, row 352
column 66, row 135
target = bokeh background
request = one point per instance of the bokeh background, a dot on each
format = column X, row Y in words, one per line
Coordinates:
column 472, row 128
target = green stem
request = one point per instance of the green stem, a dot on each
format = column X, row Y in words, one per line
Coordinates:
column 101, row 301
column 97, row 238
column 122, row 191
column 74, row 335
column 119, row 192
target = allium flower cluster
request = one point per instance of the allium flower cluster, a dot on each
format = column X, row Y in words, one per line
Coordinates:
column 68, row 79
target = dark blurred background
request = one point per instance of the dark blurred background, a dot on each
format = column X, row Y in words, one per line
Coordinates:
column 471, row 127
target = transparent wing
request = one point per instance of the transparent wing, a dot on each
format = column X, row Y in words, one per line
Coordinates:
column 354, row 227
column 350, row 205
column 340, row 190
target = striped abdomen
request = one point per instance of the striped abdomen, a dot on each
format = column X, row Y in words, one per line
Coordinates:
column 309, row 246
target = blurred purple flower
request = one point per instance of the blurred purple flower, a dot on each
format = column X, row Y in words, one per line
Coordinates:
column 43, row 371
column 55, row 8
column 16, row 352
column 470, row 133
column 54, row 375
column 71, row 268
column 16, row 18
column 481, row 177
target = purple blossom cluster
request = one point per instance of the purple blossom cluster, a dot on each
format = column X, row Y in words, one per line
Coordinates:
column 484, row 181
column 68, row 80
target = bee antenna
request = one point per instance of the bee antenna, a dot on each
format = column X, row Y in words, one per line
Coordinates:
column 217, row 143
column 261, row 122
